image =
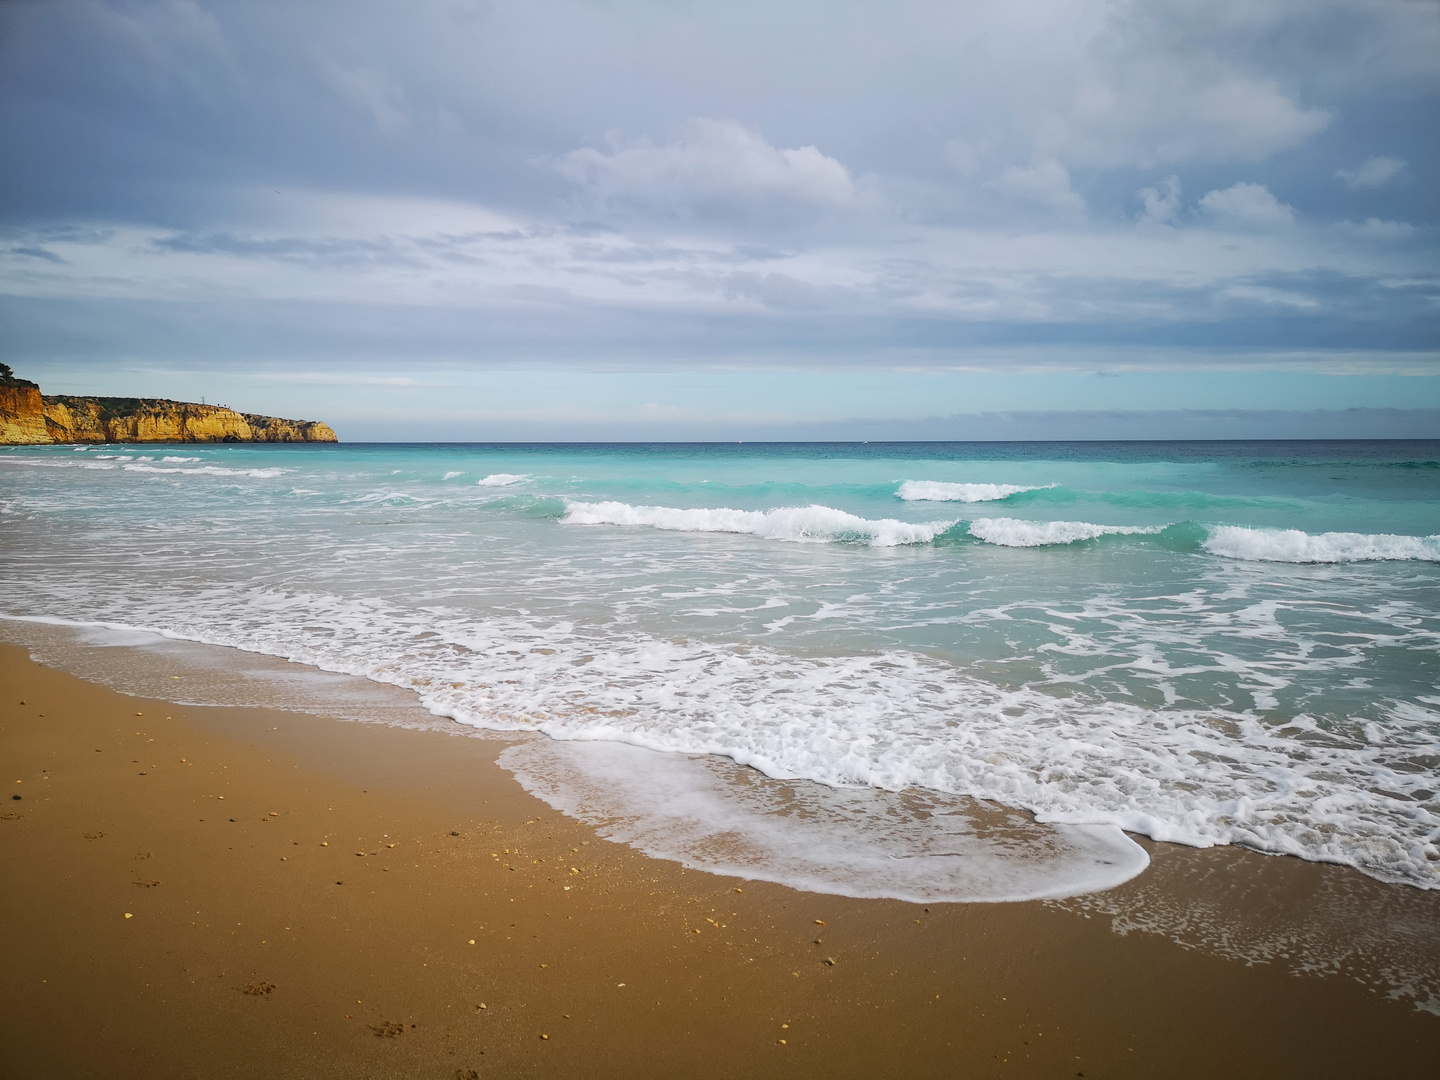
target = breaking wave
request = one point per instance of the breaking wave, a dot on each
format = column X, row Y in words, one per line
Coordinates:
column 935, row 491
column 797, row 524
column 1012, row 532
column 1294, row 546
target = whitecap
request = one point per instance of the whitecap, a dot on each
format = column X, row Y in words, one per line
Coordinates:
column 935, row 491
column 207, row 470
column 500, row 479
column 1012, row 532
column 797, row 524
column 1294, row 546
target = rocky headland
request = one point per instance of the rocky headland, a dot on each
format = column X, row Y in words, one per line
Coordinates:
column 29, row 417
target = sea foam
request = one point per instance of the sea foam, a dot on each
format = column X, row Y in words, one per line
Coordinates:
column 708, row 813
column 1294, row 546
column 1012, row 532
column 935, row 491
column 501, row 479
column 798, row 524
column 204, row 470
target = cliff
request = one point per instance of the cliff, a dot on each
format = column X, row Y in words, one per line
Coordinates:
column 27, row 416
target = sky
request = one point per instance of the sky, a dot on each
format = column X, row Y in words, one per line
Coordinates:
column 486, row 220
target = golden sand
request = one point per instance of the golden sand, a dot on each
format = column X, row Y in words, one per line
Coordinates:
column 203, row 892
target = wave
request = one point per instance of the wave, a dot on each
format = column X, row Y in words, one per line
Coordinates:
column 500, row 479
column 935, row 491
column 1012, row 532
column 1294, row 546
column 894, row 721
column 207, row 470
column 798, row 524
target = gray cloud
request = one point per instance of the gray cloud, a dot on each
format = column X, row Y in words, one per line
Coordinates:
column 739, row 184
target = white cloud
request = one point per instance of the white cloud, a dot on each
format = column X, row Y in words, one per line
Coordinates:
column 1156, row 84
column 1046, row 183
column 962, row 156
column 717, row 169
column 1246, row 205
column 1160, row 205
column 373, row 91
column 1376, row 229
column 1374, row 173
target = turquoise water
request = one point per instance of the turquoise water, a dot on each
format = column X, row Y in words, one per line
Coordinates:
column 1205, row 643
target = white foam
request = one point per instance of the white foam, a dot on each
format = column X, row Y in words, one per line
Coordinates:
column 30, row 462
column 178, row 460
column 1012, row 532
column 797, row 524
column 935, row 491
column 894, row 720
column 452, row 475
column 707, row 813
column 1294, row 546
column 206, row 470
column 501, row 479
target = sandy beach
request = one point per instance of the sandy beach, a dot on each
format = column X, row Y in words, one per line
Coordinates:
column 209, row 892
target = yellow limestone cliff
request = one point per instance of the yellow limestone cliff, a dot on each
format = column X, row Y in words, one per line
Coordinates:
column 27, row 416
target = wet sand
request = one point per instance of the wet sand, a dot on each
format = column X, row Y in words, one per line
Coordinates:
column 209, row 892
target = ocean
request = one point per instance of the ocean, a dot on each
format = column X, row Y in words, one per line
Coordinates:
column 934, row 671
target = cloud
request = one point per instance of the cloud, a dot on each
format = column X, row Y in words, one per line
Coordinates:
column 717, row 169
column 772, row 290
column 1376, row 229
column 1246, row 206
column 962, row 156
column 1160, row 205
column 1375, row 172
column 1047, row 183
column 304, row 184
column 1167, row 83
column 373, row 91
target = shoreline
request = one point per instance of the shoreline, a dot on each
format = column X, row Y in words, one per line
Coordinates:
column 244, row 956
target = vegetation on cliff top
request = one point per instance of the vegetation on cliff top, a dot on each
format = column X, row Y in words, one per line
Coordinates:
column 8, row 378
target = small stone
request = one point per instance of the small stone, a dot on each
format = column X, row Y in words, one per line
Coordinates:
column 128, row 915
column 15, row 797
column 829, row 961
column 324, row 843
column 472, row 941
column 544, row 1036
column 819, row 922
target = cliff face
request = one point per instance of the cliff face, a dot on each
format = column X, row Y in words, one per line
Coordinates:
column 28, row 417
column 22, row 415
